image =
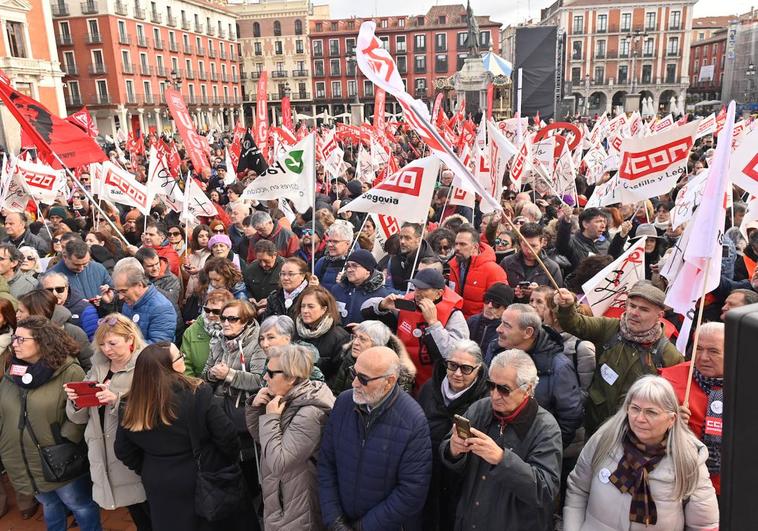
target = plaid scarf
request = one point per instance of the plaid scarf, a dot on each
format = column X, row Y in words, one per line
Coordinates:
column 645, row 338
column 631, row 476
column 714, row 388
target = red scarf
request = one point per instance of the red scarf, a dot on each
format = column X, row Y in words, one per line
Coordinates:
column 504, row 420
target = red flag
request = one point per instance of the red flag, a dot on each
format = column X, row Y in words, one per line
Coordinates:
column 193, row 142
column 490, row 99
column 83, row 120
column 437, row 107
column 379, row 98
column 49, row 133
column 173, row 161
column 537, row 119
column 460, row 114
column 261, row 115
column 286, row 113
column 236, row 148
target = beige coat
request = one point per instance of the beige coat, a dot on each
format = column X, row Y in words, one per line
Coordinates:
column 593, row 504
column 114, row 485
column 289, row 449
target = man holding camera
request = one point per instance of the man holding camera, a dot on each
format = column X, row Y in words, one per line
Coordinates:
column 428, row 320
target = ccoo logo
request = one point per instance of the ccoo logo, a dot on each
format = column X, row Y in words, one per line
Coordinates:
column 406, row 182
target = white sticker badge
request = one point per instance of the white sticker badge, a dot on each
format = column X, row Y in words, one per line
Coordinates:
column 609, row 375
column 604, row 475
column 717, row 407
column 135, row 318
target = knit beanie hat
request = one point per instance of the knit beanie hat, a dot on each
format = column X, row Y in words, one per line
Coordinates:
column 363, row 258
column 220, row 238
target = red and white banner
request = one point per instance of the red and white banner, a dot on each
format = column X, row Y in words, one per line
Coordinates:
column 41, row 181
column 161, row 183
column 500, row 152
column 460, row 197
column 120, row 186
column 83, row 119
column 662, row 125
column 406, row 193
column 651, row 166
column 287, row 113
column 12, row 190
column 377, row 64
column 195, row 203
column 261, row 115
column 688, row 199
column 707, row 126
column 520, row 165
column 606, row 194
column 743, row 169
column 386, row 226
column 236, row 148
column 379, row 105
column 606, row 292
column 194, row 143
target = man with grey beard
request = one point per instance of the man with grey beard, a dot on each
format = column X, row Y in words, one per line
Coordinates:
column 376, row 456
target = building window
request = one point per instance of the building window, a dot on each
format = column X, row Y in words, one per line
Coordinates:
column 600, row 49
column 461, row 61
column 402, row 64
column 336, row 89
column 16, row 42
column 673, row 46
column 675, row 20
column 462, row 35
column 647, row 74
column 649, row 45
column 318, row 48
column 420, row 64
column 277, row 28
column 624, row 47
column 352, row 88
column 401, row 23
column 318, row 67
column 257, row 48
column 350, row 46
column 298, row 27
column 602, row 23
column 73, row 92
column 256, row 29
column 576, row 75
column 671, row 73
column 334, row 67
column 384, row 23
column 400, row 44
column 623, row 75
column 484, row 39
column 334, row 47
column 385, row 42
column 576, row 50
column 102, row 90
column 599, row 75
column 299, row 46
column 578, row 24
column 421, row 85
column 278, row 50
column 440, row 42
column 440, row 63
column 626, row 21
column 420, row 43
column 650, row 20
column 368, row 88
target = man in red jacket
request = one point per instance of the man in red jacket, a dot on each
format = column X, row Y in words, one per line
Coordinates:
column 473, row 270
column 705, row 412
column 155, row 237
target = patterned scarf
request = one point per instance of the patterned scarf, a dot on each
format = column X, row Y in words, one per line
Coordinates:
column 714, row 388
column 631, row 477
column 312, row 333
column 647, row 337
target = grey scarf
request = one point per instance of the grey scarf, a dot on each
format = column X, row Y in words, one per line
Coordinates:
column 307, row 333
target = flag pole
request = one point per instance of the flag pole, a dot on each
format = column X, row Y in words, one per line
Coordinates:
column 313, row 212
column 39, row 213
column 415, row 260
column 531, row 249
column 686, row 401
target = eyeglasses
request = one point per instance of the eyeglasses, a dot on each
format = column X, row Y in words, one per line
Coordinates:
column 504, row 390
column 29, row 258
column 174, row 233
column 650, row 414
column 505, row 242
column 56, row 240
column 334, row 242
column 362, row 378
column 352, row 265
column 180, row 357
column 212, row 311
column 230, row 318
column 219, row 231
column 20, row 339
column 494, row 304
column 271, row 373
column 57, row 289
column 465, row 369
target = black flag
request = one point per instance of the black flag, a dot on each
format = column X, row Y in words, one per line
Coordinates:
column 251, row 157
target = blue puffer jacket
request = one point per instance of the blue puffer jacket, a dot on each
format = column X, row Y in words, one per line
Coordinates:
column 87, row 282
column 83, row 314
column 375, row 468
column 350, row 298
column 155, row 316
column 327, row 270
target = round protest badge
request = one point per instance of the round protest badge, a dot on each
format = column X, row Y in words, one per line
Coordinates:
column 135, row 318
column 417, row 333
column 288, row 303
column 604, row 475
column 717, row 407
column 27, row 378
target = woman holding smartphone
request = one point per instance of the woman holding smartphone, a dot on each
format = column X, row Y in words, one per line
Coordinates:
column 118, row 342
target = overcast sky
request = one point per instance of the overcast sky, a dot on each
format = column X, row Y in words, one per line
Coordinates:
column 503, row 11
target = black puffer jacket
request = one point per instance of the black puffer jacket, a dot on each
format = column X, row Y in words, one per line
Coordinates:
column 482, row 330
column 444, row 490
column 577, row 247
column 330, row 347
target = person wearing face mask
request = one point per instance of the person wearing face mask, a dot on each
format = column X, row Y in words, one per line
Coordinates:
column 510, row 462
column 457, row 383
column 197, row 337
column 118, row 342
column 626, row 348
column 287, row 418
column 588, row 240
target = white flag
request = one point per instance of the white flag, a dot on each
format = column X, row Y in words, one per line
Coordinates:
column 122, row 187
column 195, row 202
column 595, row 160
column 500, row 152
column 406, row 194
column 41, row 181
column 290, row 177
column 565, row 174
column 650, row 166
column 161, row 183
column 231, row 175
column 743, row 170
column 606, row 194
column 751, row 214
column 386, row 226
column 707, row 126
column 688, row 199
column 607, row 290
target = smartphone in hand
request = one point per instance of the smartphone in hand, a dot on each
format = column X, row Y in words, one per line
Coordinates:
column 462, row 426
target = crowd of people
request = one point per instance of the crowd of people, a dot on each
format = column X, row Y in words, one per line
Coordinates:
column 223, row 376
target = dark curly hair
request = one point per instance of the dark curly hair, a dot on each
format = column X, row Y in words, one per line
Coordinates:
column 222, row 267
column 53, row 344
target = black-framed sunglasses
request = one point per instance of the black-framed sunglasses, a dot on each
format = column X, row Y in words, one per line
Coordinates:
column 20, row 339
column 499, row 241
column 174, row 233
column 362, row 378
column 465, row 369
column 212, row 311
column 230, row 318
column 504, row 390
column 56, row 289
column 219, row 231
column 271, row 373
column 494, row 304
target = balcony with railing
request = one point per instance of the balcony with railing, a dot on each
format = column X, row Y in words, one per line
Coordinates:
column 201, row 50
column 222, row 54
column 100, row 99
column 222, row 34
column 235, row 78
column 70, row 70
column 65, row 40
column 187, row 48
column 190, row 74
column 254, row 75
column 142, row 41
column 278, row 74
column 127, row 68
column 90, row 8
column 299, row 73
column 186, row 25
column 675, row 27
column 156, row 18
column 98, row 68
column 199, row 28
column 210, row 30
column 599, row 54
column 146, row 70
column 94, row 38
column 171, row 21
column 214, row 76
column 124, row 38
column 225, row 77
column 202, row 75
column 60, row 9
column 131, row 98
column 121, row 8
column 140, row 13
column 211, row 53
column 301, row 95
column 158, row 44
column 148, row 99
column 173, row 46
column 73, row 100
column 161, row 71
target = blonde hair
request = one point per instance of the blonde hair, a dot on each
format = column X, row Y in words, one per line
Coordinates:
column 681, row 444
column 120, row 325
column 295, row 361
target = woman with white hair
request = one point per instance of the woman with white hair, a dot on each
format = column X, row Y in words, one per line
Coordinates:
column 279, row 331
column 369, row 334
column 30, row 263
column 643, row 469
